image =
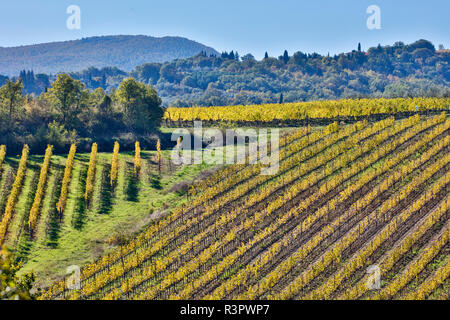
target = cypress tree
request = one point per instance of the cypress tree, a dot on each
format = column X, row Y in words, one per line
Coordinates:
column 285, row 56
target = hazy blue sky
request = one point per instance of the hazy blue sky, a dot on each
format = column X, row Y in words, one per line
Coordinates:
column 252, row 26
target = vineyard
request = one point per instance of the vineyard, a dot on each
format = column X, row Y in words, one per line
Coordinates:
column 346, row 199
column 56, row 208
column 306, row 112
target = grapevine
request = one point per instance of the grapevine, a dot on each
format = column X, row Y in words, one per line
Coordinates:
column 34, row 212
column 61, row 205
column 14, row 195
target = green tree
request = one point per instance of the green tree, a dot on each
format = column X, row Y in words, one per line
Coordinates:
column 140, row 105
column 169, row 73
column 58, row 136
column 68, row 96
column 12, row 99
column 96, row 97
column 285, row 57
column 248, row 57
column 147, row 73
column 105, row 105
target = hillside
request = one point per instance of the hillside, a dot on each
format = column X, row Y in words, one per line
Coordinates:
column 84, row 230
column 399, row 70
column 124, row 52
column 345, row 198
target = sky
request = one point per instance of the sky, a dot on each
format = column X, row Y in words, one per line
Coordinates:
column 248, row 26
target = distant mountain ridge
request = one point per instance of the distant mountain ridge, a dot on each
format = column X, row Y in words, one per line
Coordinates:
column 122, row 51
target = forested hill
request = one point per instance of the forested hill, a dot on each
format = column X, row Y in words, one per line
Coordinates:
column 398, row 70
column 124, row 52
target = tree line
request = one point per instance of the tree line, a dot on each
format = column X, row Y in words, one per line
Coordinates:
column 398, row 70
column 68, row 112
